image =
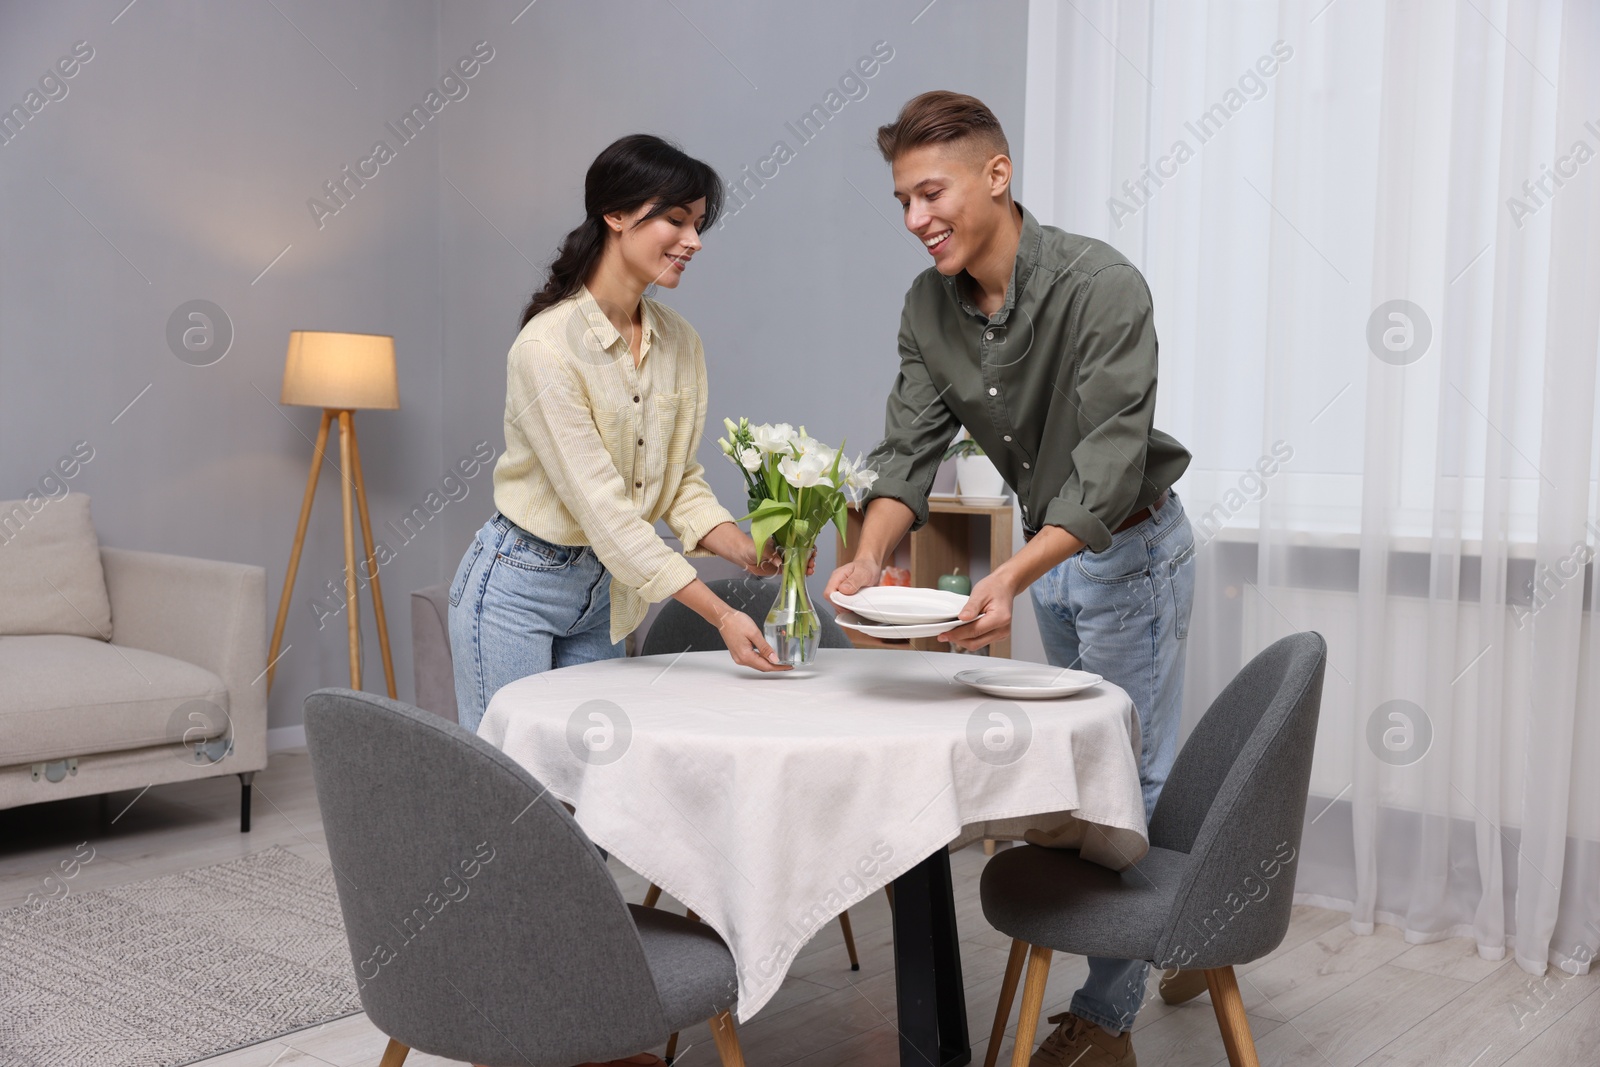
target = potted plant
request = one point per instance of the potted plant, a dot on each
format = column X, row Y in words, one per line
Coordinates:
column 975, row 471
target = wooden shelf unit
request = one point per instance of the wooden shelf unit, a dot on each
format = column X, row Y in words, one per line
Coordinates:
column 937, row 549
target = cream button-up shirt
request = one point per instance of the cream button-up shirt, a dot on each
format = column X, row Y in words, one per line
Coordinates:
column 598, row 449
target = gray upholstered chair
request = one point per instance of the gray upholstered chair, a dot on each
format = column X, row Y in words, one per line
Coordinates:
column 1216, row 887
column 678, row 629
column 482, row 922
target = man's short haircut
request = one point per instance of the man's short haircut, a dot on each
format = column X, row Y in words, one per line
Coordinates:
column 941, row 117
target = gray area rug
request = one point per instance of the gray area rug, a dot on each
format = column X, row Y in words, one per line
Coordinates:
column 174, row 969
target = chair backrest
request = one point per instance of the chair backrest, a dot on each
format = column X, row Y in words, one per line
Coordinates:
column 1235, row 802
column 482, row 921
column 678, row 629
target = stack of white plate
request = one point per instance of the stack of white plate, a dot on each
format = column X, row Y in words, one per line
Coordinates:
column 897, row 612
column 900, row 612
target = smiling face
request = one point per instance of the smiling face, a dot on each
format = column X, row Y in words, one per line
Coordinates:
column 955, row 199
column 657, row 251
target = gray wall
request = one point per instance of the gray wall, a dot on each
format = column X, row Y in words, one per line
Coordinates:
column 179, row 164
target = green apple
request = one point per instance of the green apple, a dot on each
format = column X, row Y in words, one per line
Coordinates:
column 956, row 583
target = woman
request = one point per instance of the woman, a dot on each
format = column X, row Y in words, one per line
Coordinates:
column 605, row 405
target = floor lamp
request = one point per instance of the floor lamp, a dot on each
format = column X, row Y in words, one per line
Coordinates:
column 340, row 373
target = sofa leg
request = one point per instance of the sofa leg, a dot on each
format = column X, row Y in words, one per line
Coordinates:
column 245, row 777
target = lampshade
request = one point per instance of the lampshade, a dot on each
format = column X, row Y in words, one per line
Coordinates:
column 340, row 370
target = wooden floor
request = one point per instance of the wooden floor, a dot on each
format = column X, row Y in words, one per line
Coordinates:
column 1325, row 998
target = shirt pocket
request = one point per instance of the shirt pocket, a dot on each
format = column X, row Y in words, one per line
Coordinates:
column 675, row 414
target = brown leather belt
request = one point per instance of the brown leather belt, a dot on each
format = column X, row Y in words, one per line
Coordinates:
column 1127, row 524
column 1142, row 514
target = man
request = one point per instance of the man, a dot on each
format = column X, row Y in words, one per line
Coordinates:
column 1042, row 345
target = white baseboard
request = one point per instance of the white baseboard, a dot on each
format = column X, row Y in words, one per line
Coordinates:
column 286, row 737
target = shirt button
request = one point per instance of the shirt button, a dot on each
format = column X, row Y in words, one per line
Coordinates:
column 1007, row 437
column 641, row 441
column 1026, row 467
column 988, row 335
column 993, row 391
column 635, row 400
column 638, row 485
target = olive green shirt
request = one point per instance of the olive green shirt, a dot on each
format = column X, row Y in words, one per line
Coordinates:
column 1058, row 387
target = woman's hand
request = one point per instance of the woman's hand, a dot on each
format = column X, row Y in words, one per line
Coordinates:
column 772, row 560
column 734, row 545
column 746, row 644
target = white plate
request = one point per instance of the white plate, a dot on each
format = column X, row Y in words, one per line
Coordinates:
column 902, row 604
column 851, row 621
column 1029, row 683
column 968, row 498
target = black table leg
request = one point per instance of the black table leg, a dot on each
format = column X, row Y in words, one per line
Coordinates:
column 927, row 964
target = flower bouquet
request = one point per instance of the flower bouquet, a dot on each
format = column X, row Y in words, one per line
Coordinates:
column 795, row 485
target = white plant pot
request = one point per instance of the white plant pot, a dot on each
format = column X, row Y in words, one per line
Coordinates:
column 977, row 476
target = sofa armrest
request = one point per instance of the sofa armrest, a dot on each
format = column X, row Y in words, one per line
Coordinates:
column 432, row 666
column 205, row 612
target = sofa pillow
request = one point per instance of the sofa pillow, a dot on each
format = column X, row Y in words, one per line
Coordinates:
column 51, row 581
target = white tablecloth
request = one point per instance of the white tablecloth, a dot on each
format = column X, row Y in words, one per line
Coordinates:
column 770, row 803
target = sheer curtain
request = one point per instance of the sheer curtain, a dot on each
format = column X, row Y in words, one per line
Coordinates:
column 1373, row 235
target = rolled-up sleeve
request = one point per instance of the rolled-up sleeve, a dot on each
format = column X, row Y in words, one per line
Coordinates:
column 1113, row 401
column 553, row 413
column 917, row 427
column 694, row 510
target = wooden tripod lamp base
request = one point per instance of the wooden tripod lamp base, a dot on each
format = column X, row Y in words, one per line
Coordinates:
column 340, row 372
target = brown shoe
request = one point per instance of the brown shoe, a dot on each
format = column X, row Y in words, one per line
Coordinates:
column 1080, row 1043
column 1182, row 986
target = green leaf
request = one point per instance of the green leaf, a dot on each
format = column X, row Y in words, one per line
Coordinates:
column 768, row 519
column 841, row 515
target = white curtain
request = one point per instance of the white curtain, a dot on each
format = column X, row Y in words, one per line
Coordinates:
column 1372, row 231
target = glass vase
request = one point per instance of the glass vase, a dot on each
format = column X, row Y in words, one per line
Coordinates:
column 792, row 627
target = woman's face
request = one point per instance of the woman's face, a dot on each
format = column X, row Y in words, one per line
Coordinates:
column 658, row 250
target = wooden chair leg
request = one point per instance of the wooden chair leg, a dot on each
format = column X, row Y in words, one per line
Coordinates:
column 1229, row 1006
column 1032, row 1004
column 1008, row 993
column 849, row 940
column 394, row 1055
column 727, row 1039
column 652, row 895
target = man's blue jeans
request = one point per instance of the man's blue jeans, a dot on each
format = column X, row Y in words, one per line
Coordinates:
column 1124, row 614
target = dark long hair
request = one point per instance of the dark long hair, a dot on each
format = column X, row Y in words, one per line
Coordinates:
column 631, row 172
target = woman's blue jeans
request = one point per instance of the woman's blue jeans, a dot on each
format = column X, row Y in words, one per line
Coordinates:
column 520, row 605
column 1124, row 615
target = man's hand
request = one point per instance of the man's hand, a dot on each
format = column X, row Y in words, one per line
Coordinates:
column 991, row 598
column 852, row 578
column 746, row 644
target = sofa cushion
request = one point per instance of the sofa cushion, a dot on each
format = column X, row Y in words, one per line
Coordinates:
column 51, row 581
column 75, row 696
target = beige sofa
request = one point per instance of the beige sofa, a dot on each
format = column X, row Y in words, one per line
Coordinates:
column 176, row 693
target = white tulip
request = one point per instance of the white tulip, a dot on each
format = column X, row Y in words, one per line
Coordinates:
column 803, row 472
column 770, row 438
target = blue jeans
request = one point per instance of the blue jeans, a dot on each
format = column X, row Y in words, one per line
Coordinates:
column 520, row 605
column 1124, row 614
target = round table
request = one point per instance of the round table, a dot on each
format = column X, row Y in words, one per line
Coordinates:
column 769, row 803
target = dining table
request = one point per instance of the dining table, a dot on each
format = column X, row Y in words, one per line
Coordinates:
column 769, row 803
